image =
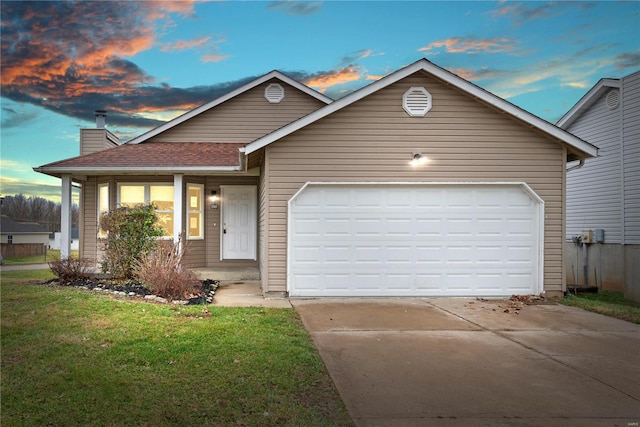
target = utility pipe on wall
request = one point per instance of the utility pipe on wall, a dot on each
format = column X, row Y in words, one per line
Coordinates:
column 584, row 264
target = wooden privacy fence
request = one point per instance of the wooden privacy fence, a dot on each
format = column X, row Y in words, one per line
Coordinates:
column 22, row 249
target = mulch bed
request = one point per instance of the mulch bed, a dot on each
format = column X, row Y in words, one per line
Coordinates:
column 136, row 289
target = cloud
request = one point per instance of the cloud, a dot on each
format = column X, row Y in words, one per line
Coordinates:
column 323, row 80
column 214, row 57
column 472, row 45
column 46, row 190
column 14, row 118
column 13, row 166
column 358, row 55
column 73, row 58
column 301, row 8
column 185, row 44
column 627, row 60
column 523, row 12
column 477, row 75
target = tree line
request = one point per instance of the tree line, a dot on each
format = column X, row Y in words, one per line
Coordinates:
column 36, row 209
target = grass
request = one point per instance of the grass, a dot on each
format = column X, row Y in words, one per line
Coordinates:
column 609, row 303
column 73, row 357
column 37, row 259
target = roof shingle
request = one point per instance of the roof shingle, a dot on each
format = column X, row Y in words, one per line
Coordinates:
column 157, row 154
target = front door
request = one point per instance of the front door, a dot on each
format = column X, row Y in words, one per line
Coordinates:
column 239, row 221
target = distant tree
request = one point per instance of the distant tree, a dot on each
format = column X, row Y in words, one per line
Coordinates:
column 36, row 209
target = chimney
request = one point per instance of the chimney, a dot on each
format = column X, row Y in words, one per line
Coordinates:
column 101, row 118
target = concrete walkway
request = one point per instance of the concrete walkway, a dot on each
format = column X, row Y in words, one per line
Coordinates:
column 24, row 267
column 245, row 294
column 466, row 362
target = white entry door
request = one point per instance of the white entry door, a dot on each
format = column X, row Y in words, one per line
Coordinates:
column 415, row 240
column 239, row 221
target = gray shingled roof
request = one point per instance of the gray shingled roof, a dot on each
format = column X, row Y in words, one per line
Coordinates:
column 9, row 226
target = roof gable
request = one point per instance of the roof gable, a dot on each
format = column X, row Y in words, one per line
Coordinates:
column 449, row 78
column 234, row 93
column 587, row 101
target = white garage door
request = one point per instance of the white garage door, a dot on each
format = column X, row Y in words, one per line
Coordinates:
column 414, row 240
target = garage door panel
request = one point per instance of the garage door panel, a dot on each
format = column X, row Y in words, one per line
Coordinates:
column 413, row 240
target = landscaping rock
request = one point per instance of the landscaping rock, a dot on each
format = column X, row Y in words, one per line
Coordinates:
column 135, row 289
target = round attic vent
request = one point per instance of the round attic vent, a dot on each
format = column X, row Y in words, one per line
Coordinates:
column 416, row 101
column 613, row 99
column 274, row 93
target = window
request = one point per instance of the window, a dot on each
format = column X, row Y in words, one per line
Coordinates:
column 103, row 206
column 195, row 211
column 160, row 195
column 10, row 239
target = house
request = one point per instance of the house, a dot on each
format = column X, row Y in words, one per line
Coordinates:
column 420, row 183
column 55, row 239
column 603, row 194
column 22, row 238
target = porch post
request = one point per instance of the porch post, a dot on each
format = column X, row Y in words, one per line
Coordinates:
column 177, row 207
column 65, row 218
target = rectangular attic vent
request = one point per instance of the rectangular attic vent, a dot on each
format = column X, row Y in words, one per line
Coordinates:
column 274, row 93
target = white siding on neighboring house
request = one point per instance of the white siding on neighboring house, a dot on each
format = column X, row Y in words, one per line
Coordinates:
column 594, row 192
column 605, row 193
column 631, row 166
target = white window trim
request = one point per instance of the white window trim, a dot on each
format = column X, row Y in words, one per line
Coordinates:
column 101, row 234
column 200, row 211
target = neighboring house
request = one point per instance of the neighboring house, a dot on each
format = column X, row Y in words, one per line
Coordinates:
column 604, row 194
column 420, row 183
column 15, row 232
column 55, row 238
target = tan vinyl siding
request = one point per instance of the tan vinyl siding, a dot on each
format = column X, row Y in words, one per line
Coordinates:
column 373, row 139
column 93, row 140
column 243, row 118
column 631, row 156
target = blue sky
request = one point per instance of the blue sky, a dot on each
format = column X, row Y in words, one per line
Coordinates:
column 147, row 62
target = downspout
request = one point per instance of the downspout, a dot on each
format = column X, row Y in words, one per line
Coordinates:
column 584, row 264
column 243, row 160
column 578, row 166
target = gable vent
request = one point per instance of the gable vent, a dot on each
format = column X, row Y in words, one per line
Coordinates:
column 416, row 101
column 274, row 93
column 613, row 99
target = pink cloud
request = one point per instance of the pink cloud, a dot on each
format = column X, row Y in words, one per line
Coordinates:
column 185, row 44
column 472, row 45
column 323, row 81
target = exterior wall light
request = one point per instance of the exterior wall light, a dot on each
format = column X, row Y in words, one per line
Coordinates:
column 417, row 159
column 214, row 196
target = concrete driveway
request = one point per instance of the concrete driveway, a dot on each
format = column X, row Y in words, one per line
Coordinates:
column 467, row 362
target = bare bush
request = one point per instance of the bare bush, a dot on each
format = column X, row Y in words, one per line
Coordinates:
column 161, row 271
column 70, row 269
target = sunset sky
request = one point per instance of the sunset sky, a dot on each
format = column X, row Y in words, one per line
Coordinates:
column 147, row 62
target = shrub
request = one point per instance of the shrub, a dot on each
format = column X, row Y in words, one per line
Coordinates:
column 130, row 234
column 161, row 271
column 70, row 270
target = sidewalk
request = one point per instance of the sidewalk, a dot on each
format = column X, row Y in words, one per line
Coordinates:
column 24, row 267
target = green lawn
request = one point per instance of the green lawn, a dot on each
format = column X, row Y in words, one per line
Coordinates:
column 612, row 304
column 37, row 259
column 73, row 357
